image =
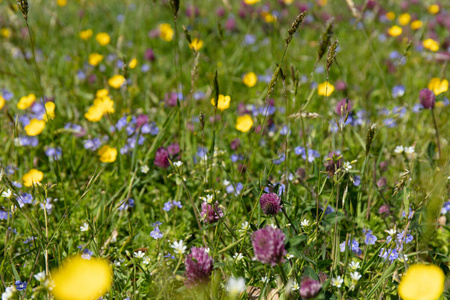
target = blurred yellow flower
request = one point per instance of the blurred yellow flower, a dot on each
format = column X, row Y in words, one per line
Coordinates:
column 105, row 104
column 133, row 63
column 26, row 101
column 86, row 34
column 224, row 102
column 390, row 15
column 433, row 9
column 404, row 19
column 2, row 102
column 438, row 86
column 116, row 81
column 287, row 2
column 244, row 123
column 268, row 17
column 325, row 89
column 107, row 154
column 250, row 79
column 61, row 2
column 5, row 32
column 322, row 2
column 35, row 127
column 82, row 279
column 251, row 2
column 166, row 32
column 395, row 31
column 422, row 282
column 32, row 177
column 196, row 44
column 417, row 24
column 94, row 114
column 431, row 45
column 95, row 59
column 50, row 111
column 103, row 38
column 101, row 93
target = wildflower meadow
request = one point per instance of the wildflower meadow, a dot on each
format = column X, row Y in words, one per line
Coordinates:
column 227, row 149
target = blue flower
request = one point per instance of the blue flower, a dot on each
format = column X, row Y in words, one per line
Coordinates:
column 24, row 198
column 156, row 224
column 93, row 144
column 21, row 285
column 299, row 151
column 356, row 180
column 177, row 204
column 3, row 215
column 7, row 95
column 169, row 256
column 53, row 153
column 156, row 234
column 398, row 91
column 167, row 206
column 87, row 254
column 370, row 238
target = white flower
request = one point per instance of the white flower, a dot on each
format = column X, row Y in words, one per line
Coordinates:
column 399, row 149
column 305, row 223
column 295, row 286
column 236, row 286
column 139, row 254
column 354, row 265
column 146, row 260
column 179, row 247
column 209, row 198
column 84, row 227
column 7, row 194
column 207, row 250
column 409, row 150
column 117, row 263
column 226, row 183
column 145, row 169
column 9, row 293
column 244, row 226
column 355, row 276
column 40, row 276
column 347, row 166
column 337, row 282
column 265, row 279
column 238, row 256
column 391, row 232
column 1, row 175
column 178, row 164
column 273, row 225
column 289, row 256
column 403, row 258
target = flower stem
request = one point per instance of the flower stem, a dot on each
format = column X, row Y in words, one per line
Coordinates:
column 437, row 133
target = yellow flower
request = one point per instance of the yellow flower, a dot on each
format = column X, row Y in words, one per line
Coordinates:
column 86, row 34
column 244, row 123
column 417, row 24
column 404, row 19
column 166, row 32
column 322, row 2
column 32, row 177
column 2, row 102
column 94, row 114
column 325, row 89
column 422, row 282
column 5, row 32
column 105, row 104
column 288, row 2
column 82, row 279
column 395, row 31
column 95, row 59
column 250, row 79
column 196, row 44
column 390, row 15
column 61, row 2
column 101, row 93
column 103, row 38
column 35, row 127
column 50, row 111
column 133, row 63
column 224, row 102
column 116, row 81
column 431, row 45
column 268, row 17
column 107, row 154
column 251, row 2
column 26, row 101
column 438, row 86
column 433, row 9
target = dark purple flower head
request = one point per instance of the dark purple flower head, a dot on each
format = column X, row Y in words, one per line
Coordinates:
column 141, row 120
column 209, row 213
column 235, row 144
column 162, row 158
column 199, row 266
column 149, row 55
column 384, row 209
column 381, row 182
column 173, row 149
column 270, row 204
column 342, row 108
column 309, row 288
column 268, row 245
column 171, row 99
column 427, row 98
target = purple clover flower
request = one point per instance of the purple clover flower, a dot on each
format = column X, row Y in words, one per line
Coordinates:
column 270, row 204
column 209, row 214
column 162, row 158
column 199, row 266
column 309, row 288
column 268, row 245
